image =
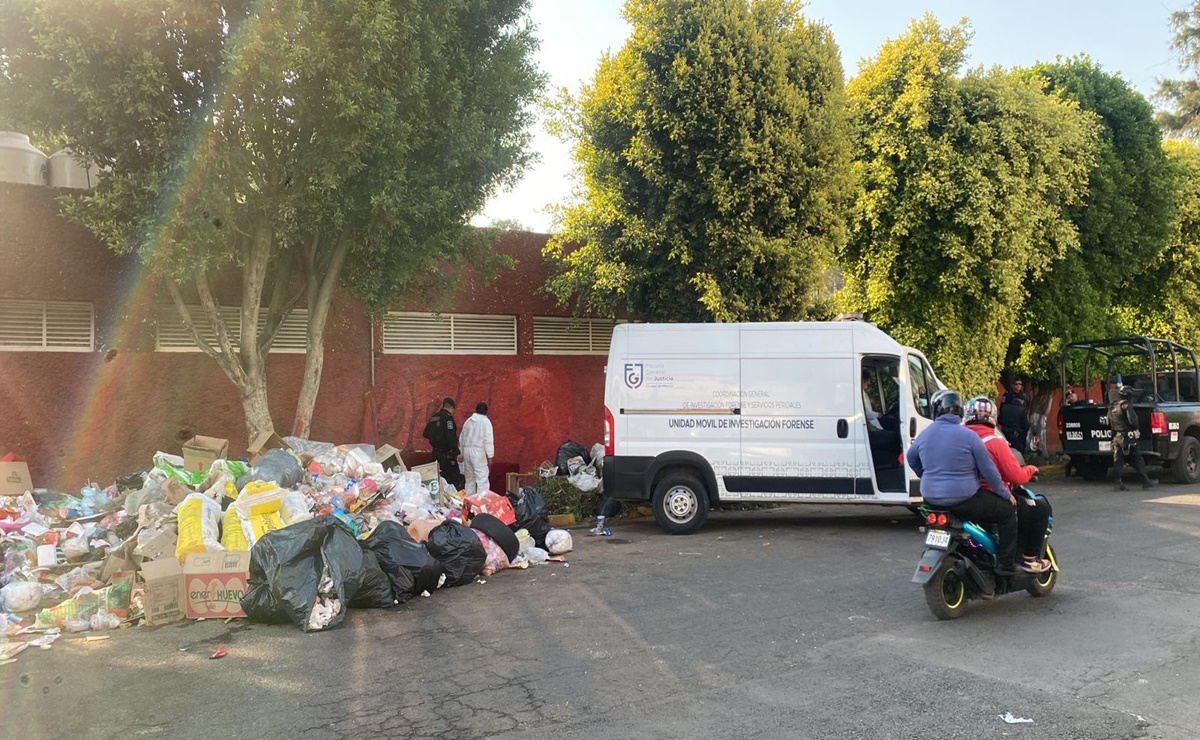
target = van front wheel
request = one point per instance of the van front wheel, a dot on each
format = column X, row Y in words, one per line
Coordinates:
column 680, row 503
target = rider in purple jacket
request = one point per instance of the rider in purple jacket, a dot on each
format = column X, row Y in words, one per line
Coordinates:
column 950, row 461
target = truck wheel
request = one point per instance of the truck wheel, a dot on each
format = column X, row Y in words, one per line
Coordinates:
column 680, row 503
column 1094, row 468
column 1186, row 465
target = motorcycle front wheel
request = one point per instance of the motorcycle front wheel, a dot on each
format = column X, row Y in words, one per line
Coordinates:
column 1043, row 583
column 946, row 593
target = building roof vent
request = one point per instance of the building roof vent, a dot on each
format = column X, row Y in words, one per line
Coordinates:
column 67, row 172
column 20, row 161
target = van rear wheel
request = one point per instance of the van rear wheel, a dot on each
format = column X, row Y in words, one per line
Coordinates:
column 680, row 503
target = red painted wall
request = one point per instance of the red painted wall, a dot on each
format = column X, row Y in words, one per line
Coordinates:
column 94, row 415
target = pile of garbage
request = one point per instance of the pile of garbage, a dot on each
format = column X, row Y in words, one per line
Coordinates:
column 304, row 532
column 577, row 465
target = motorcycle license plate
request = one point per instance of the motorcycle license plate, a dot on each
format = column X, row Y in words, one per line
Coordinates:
column 937, row 538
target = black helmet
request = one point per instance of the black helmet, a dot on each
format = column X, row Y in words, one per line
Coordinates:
column 1126, row 390
column 947, row 402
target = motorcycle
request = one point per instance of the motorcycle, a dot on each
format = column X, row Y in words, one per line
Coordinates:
column 959, row 563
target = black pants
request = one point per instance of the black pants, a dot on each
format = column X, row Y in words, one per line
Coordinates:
column 1124, row 447
column 986, row 507
column 448, row 467
column 1033, row 516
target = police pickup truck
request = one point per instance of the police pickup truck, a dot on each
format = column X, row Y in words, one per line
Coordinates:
column 1166, row 383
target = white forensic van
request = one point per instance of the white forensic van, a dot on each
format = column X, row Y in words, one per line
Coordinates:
column 701, row 414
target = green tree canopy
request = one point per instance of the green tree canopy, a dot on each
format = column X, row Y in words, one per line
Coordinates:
column 1183, row 96
column 1174, row 311
column 315, row 140
column 1124, row 222
column 714, row 154
column 964, row 185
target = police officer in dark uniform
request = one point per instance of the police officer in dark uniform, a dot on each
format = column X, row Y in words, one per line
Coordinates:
column 1123, row 420
column 1014, row 416
column 442, row 433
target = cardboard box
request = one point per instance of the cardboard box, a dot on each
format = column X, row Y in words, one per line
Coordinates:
column 160, row 547
column 430, row 479
column 263, row 442
column 121, row 559
column 389, row 457
column 199, row 453
column 214, row 584
column 176, row 491
column 14, row 478
column 164, row 598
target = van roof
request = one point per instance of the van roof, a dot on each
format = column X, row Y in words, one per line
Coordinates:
column 868, row 337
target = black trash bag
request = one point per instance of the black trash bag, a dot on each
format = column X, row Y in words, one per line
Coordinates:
column 499, row 533
column 130, row 482
column 567, row 451
column 459, row 551
column 532, row 515
column 287, row 567
column 275, row 466
column 409, row 567
column 376, row 590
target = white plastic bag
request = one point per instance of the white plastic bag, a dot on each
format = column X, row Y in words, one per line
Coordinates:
column 536, row 555
column 558, row 541
column 409, row 490
column 296, row 507
column 585, row 479
column 21, row 596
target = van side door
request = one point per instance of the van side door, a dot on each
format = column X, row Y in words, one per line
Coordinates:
column 801, row 424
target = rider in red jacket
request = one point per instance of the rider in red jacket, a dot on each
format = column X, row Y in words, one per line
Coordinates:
column 1033, row 515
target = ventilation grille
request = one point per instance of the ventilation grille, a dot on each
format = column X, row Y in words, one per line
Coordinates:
column 172, row 337
column 47, row 326
column 559, row 336
column 445, row 334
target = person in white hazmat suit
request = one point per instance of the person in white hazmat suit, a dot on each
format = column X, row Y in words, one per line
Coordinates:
column 478, row 448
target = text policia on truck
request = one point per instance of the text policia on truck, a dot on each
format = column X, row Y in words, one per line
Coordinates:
column 701, row 414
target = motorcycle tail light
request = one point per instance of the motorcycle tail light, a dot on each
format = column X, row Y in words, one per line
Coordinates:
column 931, row 518
column 925, row 568
column 941, row 520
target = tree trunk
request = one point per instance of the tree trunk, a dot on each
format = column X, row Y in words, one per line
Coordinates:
column 242, row 363
column 256, row 408
column 321, row 287
column 1039, row 413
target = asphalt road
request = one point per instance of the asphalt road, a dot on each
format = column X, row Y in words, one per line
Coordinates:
column 798, row 622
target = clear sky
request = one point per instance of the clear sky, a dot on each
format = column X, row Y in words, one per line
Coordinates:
column 1127, row 36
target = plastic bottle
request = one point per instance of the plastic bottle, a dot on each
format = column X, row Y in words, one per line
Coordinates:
column 601, row 530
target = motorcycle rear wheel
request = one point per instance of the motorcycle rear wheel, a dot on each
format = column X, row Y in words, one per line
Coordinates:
column 946, row 593
column 1043, row 583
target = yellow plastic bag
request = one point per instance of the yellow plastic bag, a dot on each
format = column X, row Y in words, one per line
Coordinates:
column 232, row 536
column 260, row 524
column 199, row 526
column 255, row 487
